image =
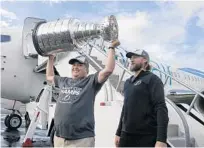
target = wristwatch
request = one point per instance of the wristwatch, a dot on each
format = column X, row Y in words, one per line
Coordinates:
column 111, row 47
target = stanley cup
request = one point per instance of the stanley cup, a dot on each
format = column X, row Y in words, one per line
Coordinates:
column 68, row 34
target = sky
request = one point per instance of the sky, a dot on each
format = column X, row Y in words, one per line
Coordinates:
column 171, row 31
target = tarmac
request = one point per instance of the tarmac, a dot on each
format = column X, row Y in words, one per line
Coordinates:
column 14, row 138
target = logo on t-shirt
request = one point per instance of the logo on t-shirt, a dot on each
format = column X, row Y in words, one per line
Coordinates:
column 69, row 94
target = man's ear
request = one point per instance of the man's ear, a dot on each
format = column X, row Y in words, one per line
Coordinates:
column 145, row 61
column 87, row 70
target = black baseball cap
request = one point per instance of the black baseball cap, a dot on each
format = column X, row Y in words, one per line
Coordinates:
column 81, row 59
column 138, row 52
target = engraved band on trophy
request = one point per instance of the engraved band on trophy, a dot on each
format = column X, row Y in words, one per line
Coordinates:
column 66, row 34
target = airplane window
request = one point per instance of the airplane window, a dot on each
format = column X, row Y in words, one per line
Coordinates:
column 5, row 38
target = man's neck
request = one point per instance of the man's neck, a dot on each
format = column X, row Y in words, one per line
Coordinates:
column 138, row 72
column 77, row 78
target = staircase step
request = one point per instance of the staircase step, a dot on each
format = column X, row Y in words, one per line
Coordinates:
column 173, row 130
column 93, row 64
column 98, row 61
column 94, row 57
column 121, row 87
column 177, row 141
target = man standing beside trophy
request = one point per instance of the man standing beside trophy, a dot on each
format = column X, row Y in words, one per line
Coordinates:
column 74, row 115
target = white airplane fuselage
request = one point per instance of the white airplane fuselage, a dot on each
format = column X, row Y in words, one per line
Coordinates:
column 192, row 78
column 21, row 83
column 18, row 80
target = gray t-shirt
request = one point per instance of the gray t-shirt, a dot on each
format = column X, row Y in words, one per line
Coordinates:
column 74, row 113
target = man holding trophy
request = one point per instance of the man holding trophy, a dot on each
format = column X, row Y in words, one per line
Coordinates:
column 74, row 114
column 74, row 121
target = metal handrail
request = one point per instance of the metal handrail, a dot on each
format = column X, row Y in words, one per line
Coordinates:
column 185, row 124
column 193, row 102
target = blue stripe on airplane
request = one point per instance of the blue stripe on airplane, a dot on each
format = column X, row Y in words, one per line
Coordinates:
column 193, row 71
column 198, row 71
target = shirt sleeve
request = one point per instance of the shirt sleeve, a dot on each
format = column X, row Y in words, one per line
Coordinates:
column 118, row 132
column 119, row 129
column 159, row 107
column 59, row 81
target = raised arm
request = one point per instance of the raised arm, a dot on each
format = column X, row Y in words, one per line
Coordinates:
column 110, row 64
column 50, row 69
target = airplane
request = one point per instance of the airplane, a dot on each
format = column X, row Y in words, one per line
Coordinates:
column 23, row 74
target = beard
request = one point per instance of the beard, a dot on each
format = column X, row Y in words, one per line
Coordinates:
column 136, row 67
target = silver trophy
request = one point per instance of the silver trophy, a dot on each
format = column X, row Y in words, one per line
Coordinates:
column 67, row 34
